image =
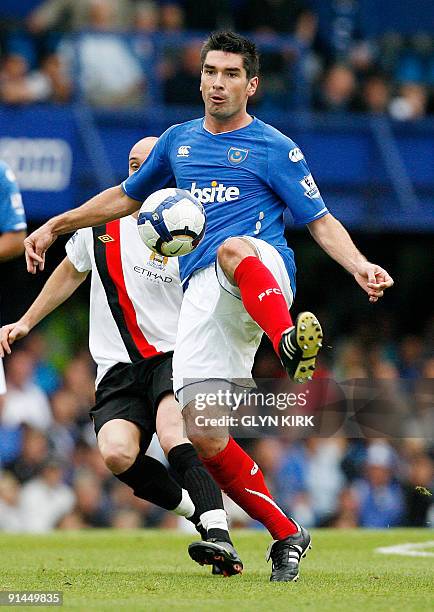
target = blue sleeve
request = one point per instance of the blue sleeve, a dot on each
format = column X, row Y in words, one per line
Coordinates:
column 12, row 217
column 155, row 172
column 289, row 176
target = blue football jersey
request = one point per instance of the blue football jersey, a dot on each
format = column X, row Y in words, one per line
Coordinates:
column 12, row 218
column 246, row 179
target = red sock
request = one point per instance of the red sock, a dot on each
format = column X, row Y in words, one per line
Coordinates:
column 262, row 298
column 240, row 477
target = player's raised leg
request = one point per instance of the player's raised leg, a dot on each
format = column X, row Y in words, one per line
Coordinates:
column 217, row 341
column 296, row 345
column 216, row 548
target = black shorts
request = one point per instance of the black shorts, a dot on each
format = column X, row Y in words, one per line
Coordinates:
column 132, row 391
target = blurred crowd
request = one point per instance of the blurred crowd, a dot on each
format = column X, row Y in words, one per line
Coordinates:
column 135, row 52
column 52, row 476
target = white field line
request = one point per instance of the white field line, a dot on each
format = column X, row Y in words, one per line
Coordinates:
column 408, row 550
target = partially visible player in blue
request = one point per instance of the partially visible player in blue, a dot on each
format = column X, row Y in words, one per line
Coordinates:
column 12, row 219
column 12, row 227
column 240, row 281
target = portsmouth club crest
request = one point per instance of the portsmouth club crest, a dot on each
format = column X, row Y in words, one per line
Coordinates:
column 158, row 261
column 236, row 155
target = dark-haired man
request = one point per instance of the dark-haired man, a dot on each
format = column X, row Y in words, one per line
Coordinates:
column 240, row 281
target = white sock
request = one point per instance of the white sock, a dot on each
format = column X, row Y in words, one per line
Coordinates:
column 186, row 507
column 214, row 519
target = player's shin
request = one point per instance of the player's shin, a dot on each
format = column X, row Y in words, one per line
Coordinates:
column 242, row 479
column 204, row 492
column 151, row 481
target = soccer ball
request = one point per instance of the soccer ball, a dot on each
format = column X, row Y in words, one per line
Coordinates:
column 171, row 222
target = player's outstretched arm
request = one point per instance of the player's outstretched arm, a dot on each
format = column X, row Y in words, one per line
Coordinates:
column 61, row 284
column 331, row 235
column 106, row 206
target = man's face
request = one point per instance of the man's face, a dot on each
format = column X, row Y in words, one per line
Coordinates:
column 137, row 156
column 224, row 84
column 139, row 153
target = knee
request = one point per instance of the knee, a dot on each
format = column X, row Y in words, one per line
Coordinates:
column 169, row 440
column 230, row 251
column 208, row 440
column 206, row 446
column 118, row 455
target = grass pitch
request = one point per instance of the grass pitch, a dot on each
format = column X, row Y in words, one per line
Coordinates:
column 151, row 570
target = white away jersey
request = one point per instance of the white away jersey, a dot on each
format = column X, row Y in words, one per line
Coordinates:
column 135, row 295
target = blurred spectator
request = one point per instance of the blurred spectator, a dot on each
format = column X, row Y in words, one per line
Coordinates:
column 127, row 519
column 146, row 17
column 324, row 476
column 353, row 459
column 410, row 357
column 375, row 95
column 379, row 496
column 24, row 402
column 411, row 102
column 338, row 89
column 73, row 520
column 60, row 84
column 45, row 499
column 10, row 511
column 411, row 62
column 350, row 362
column 183, row 86
column 123, row 499
column 310, row 479
column 291, row 481
column 110, row 75
column 390, row 48
column 362, row 58
column 45, row 375
column 306, row 34
column 34, row 453
column 171, row 18
column 64, row 432
column 91, row 502
column 75, row 15
column 347, row 511
column 19, row 85
column 418, row 500
column 79, row 379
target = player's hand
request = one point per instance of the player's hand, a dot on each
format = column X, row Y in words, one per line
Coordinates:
column 373, row 279
column 9, row 333
column 36, row 244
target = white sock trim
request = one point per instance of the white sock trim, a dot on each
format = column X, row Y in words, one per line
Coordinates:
column 186, row 507
column 214, row 519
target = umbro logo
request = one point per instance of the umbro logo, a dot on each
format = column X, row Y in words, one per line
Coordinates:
column 183, row 151
column 254, row 469
column 106, row 238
